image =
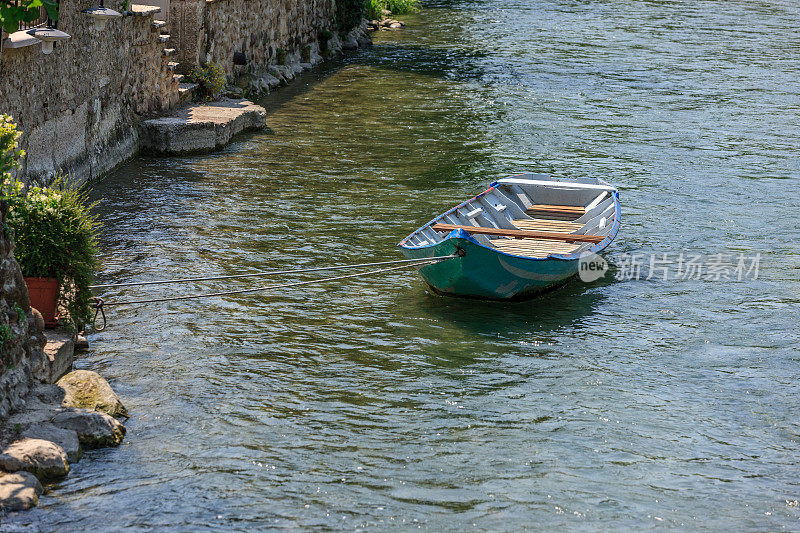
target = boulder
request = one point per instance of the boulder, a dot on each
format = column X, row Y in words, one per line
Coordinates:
column 350, row 43
column 85, row 389
column 38, row 318
column 95, row 430
column 66, row 438
column 19, row 491
column 42, row 458
column 81, row 343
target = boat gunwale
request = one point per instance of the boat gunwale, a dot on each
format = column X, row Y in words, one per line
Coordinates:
column 562, row 257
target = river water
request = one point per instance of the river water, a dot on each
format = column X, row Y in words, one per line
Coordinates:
column 627, row 403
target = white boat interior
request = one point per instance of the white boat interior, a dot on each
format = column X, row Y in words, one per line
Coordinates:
column 555, row 216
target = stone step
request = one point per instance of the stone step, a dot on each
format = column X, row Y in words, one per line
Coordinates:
column 172, row 65
column 157, row 24
column 138, row 10
column 168, row 52
column 163, row 38
column 186, row 90
column 178, row 77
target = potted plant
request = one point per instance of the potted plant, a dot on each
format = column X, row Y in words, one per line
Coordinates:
column 55, row 239
column 56, row 247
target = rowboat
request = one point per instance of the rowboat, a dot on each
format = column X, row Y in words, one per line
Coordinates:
column 522, row 236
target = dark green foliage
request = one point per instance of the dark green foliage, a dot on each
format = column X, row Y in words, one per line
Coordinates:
column 56, row 237
column 12, row 13
column 349, row 14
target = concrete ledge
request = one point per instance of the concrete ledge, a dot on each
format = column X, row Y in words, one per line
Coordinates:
column 60, row 350
column 20, row 39
column 202, row 127
column 139, row 10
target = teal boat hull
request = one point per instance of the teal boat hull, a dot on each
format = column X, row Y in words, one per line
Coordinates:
column 483, row 272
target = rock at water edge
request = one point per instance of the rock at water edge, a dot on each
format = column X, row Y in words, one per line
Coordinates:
column 42, row 458
column 95, row 430
column 85, row 389
column 66, row 438
column 19, row 491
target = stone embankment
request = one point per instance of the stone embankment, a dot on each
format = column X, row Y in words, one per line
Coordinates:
column 48, row 412
column 52, row 426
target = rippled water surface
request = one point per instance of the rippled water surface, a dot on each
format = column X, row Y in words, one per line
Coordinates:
column 371, row 403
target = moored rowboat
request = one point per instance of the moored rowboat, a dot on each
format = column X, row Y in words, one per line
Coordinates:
column 524, row 235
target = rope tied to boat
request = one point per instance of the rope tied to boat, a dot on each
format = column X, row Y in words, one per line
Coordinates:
column 98, row 304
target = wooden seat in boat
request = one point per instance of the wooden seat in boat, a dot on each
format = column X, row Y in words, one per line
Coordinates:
column 556, row 212
column 533, row 247
column 520, row 234
column 540, row 224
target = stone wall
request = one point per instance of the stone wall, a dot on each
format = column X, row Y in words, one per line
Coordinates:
column 23, row 362
column 278, row 38
column 81, row 107
column 78, row 107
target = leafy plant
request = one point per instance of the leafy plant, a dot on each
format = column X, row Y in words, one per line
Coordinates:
column 211, row 79
column 280, row 56
column 373, row 9
column 5, row 340
column 56, row 237
column 13, row 12
column 21, row 314
column 10, row 154
column 349, row 14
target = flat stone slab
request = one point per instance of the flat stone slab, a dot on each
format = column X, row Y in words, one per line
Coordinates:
column 202, row 127
column 60, row 350
column 141, row 10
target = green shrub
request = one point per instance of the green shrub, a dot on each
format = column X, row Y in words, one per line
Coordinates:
column 349, row 14
column 211, row 79
column 373, row 8
column 10, row 154
column 56, row 237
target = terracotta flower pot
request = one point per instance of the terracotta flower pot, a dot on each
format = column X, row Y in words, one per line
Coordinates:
column 44, row 296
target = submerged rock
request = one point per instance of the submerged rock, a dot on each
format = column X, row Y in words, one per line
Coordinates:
column 95, row 430
column 42, row 458
column 81, row 343
column 19, row 491
column 66, row 438
column 88, row 390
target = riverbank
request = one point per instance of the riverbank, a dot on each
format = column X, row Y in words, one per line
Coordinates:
column 83, row 117
column 619, row 405
column 48, row 412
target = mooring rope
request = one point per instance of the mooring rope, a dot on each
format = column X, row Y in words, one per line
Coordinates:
column 261, row 273
column 99, row 304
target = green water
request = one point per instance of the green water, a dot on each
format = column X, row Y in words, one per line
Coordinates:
column 370, row 403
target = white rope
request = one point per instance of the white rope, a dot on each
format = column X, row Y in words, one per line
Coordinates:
column 418, row 262
column 260, row 273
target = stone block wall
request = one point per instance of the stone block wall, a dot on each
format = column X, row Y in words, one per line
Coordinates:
column 78, row 107
column 23, row 362
column 270, row 33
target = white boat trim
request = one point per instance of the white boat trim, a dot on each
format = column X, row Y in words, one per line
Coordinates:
column 558, row 184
